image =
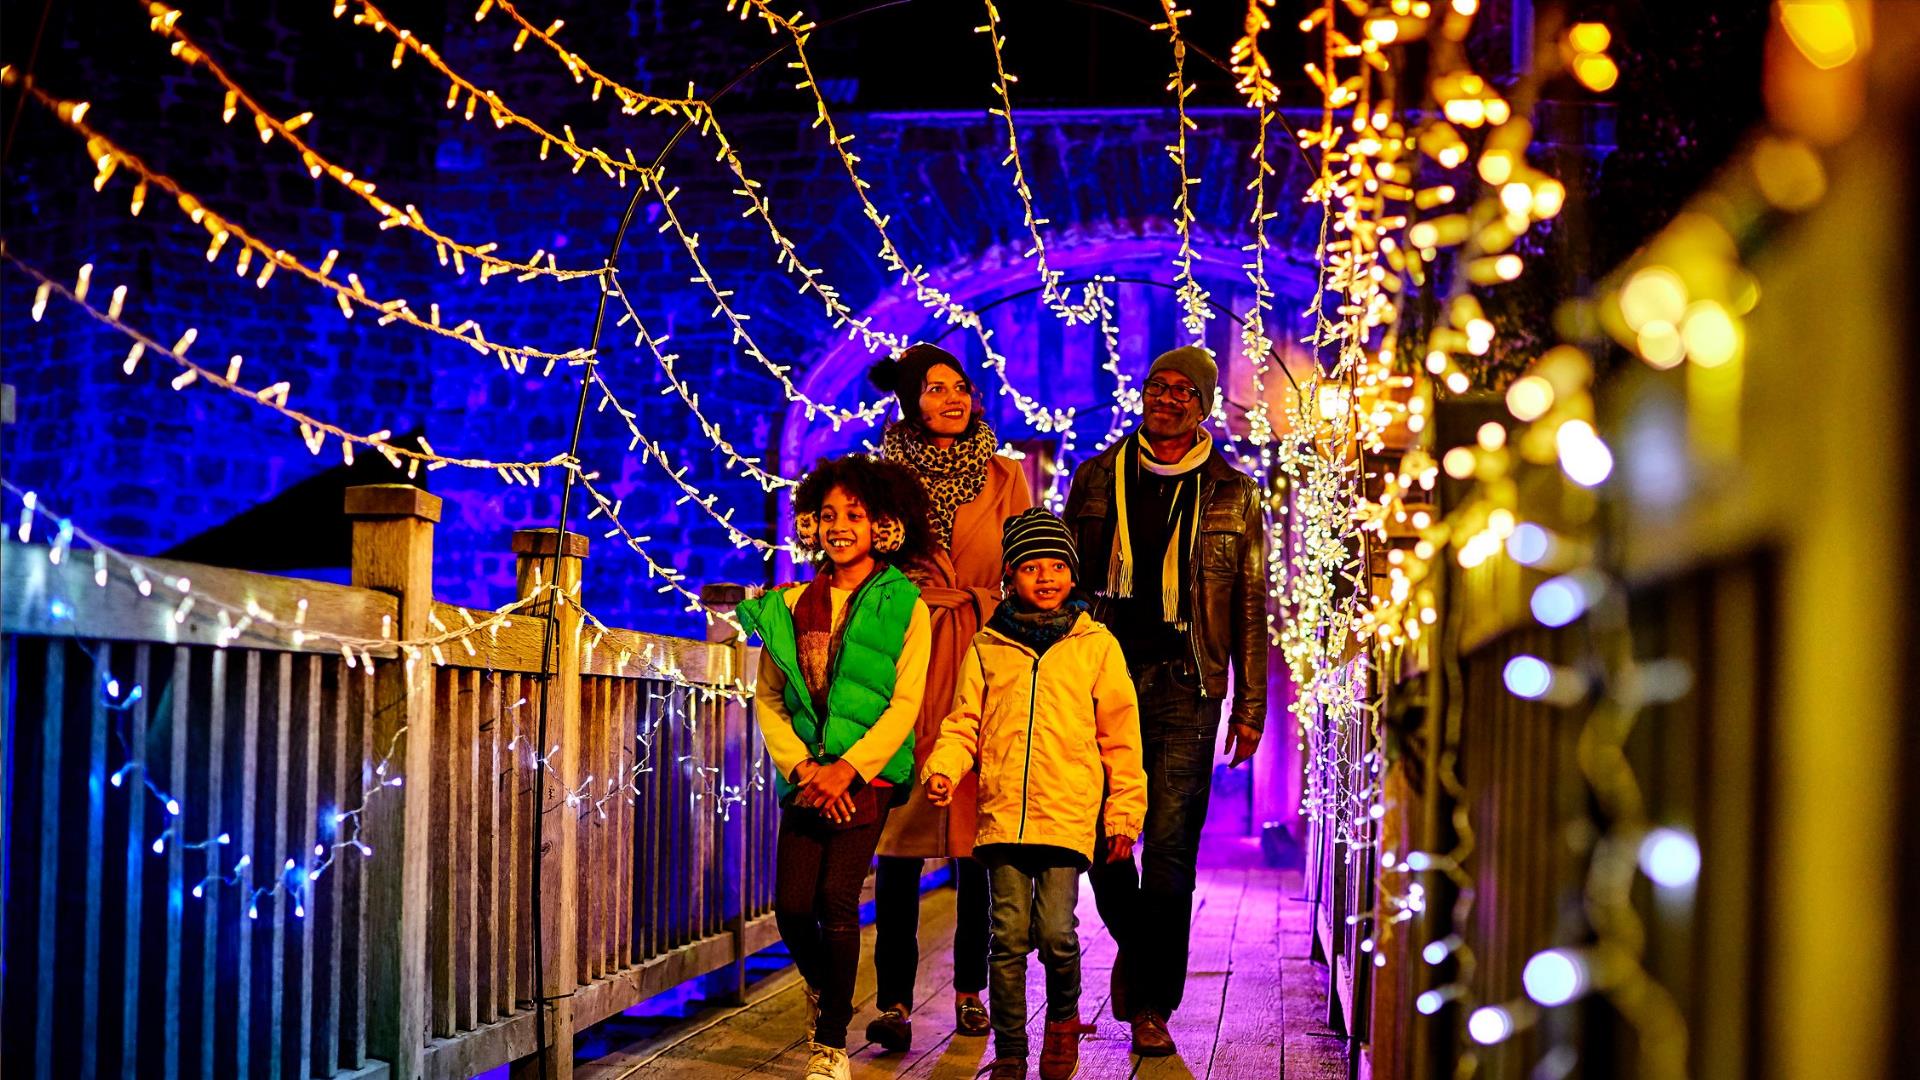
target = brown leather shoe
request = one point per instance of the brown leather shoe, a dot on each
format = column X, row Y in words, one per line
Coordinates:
column 1150, row 1037
column 1117, row 985
column 1006, row 1068
column 970, row 1018
column 892, row 1031
column 1060, row 1053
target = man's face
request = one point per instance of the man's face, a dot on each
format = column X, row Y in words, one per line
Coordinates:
column 1173, row 405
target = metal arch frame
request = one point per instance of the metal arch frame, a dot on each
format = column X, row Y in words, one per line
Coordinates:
column 550, row 624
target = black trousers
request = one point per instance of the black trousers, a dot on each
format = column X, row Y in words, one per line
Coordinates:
column 896, row 919
column 1149, row 910
column 816, row 904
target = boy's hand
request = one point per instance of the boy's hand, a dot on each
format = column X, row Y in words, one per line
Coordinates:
column 1119, row 848
column 939, row 790
column 803, row 773
column 839, row 810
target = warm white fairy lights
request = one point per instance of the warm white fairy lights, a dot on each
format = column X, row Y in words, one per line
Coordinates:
column 1193, row 298
column 165, row 21
column 313, row 431
column 351, row 296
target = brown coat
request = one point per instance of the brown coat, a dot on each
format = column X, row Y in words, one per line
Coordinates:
column 961, row 589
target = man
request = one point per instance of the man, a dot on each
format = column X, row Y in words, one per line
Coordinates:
column 1175, row 556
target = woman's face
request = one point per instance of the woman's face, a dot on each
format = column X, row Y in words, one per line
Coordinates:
column 846, row 532
column 946, row 402
column 1043, row 584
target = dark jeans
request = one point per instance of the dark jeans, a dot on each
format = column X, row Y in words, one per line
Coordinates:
column 896, row 921
column 1034, row 893
column 1150, row 910
column 816, row 904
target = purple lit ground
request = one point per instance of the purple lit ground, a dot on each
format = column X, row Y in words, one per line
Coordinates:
column 1256, row 1005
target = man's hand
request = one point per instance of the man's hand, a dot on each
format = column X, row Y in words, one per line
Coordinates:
column 1242, row 740
column 1119, row 848
column 939, row 790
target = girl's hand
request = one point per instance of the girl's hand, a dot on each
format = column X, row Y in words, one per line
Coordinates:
column 803, row 774
column 826, row 785
column 840, row 810
column 1119, row 848
column 939, row 790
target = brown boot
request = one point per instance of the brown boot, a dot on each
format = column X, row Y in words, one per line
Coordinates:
column 1060, row 1053
column 891, row 1030
column 1150, row 1037
column 1005, row 1068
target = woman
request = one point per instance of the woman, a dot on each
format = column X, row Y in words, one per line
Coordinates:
column 943, row 438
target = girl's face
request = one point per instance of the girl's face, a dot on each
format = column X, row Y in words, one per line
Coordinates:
column 846, row 531
column 946, row 402
column 1043, row 584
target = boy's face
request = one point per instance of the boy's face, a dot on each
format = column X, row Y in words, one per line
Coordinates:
column 1043, row 584
column 846, row 533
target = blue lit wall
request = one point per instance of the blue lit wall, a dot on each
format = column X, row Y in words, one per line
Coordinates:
column 147, row 467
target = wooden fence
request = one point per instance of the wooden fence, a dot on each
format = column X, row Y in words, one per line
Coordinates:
column 395, row 940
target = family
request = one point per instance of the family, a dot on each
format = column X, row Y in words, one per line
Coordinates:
column 957, row 683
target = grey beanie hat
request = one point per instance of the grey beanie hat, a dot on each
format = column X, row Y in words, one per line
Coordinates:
column 1195, row 363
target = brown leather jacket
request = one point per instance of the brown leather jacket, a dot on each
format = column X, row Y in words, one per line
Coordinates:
column 1229, row 574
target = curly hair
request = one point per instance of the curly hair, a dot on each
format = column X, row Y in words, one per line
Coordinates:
column 885, row 488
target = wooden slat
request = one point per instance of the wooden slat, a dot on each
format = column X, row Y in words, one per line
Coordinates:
column 54, row 704
column 486, row 856
column 516, row 647
column 272, row 801
column 96, row 856
column 525, row 803
column 513, row 858
column 440, row 829
column 464, row 735
column 137, row 854
column 328, row 892
column 206, row 999
column 180, row 690
column 118, row 612
column 358, row 687
column 248, row 840
column 694, row 660
column 303, row 801
column 623, row 919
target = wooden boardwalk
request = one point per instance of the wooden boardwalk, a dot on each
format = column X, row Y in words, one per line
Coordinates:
column 1255, row 1007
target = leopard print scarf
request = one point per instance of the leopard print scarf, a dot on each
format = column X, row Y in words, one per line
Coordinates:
column 954, row 476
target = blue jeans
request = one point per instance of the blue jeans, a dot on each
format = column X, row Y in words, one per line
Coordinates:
column 1149, row 910
column 1034, row 892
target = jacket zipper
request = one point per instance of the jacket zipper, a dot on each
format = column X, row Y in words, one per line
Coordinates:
column 1026, row 774
column 833, row 669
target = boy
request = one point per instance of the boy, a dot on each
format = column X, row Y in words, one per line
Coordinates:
column 1046, row 711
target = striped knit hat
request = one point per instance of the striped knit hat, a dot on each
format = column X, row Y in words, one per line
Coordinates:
column 1033, row 534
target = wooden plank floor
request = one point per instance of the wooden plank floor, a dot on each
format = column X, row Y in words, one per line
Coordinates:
column 1255, row 1005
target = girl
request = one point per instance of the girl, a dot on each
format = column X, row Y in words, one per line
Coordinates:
column 842, row 669
column 942, row 436
column 1046, row 712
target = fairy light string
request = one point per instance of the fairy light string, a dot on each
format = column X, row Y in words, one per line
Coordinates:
column 313, row 431
column 109, row 156
column 1193, row 297
column 165, row 22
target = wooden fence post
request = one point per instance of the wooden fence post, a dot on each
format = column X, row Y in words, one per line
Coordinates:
column 731, row 981
column 560, row 857
column 393, row 553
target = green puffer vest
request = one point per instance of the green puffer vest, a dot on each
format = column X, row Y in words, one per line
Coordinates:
column 863, row 676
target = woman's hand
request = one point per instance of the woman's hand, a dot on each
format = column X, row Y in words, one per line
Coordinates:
column 1119, row 848
column 939, row 790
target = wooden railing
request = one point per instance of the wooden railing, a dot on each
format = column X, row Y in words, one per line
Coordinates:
column 416, row 958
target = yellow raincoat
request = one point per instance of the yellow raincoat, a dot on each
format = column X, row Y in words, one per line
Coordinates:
column 1048, row 734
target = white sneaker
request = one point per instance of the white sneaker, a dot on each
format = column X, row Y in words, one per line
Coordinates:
column 813, row 1011
column 827, row 1063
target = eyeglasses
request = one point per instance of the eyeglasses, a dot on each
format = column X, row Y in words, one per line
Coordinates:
column 1182, row 394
